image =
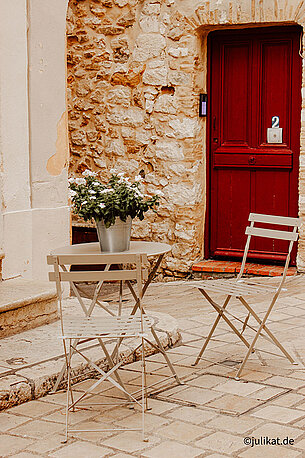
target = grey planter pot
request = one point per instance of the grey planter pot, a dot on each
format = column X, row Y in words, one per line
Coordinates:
column 115, row 238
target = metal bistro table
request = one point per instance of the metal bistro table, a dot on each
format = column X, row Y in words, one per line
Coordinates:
column 92, row 252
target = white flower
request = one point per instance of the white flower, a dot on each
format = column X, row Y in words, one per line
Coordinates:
column 88, row 173
column 121, row 174
column 104, row 191
column 102, row 205
column 71, row 180
column 92, row 197
column 91, row 191
column 72, row 193
column 123, row 180
column 80, row 181
column 159, row 193
column 138, row 193
column 85, row 202
column 138, row 178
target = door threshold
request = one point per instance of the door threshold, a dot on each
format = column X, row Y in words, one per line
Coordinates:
column 208, row 268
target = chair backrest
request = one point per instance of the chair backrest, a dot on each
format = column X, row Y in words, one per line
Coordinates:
column 253, row 231
column 126, row 267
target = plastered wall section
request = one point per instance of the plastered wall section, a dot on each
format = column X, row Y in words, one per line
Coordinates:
column 135, row 71
column 34, row 211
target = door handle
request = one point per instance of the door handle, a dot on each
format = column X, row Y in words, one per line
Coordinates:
column 252, row 160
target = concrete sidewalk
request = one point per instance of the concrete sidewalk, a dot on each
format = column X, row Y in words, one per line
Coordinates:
column 210, row 415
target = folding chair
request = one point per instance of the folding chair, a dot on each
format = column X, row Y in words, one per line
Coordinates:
column 74, row 328
column 241, row 288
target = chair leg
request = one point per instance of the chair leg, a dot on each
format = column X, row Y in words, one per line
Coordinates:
column 220, row 314
column 68, row 390
column 144, row 392
column 63, row 370
column 266, row 329
column 231, row 325
column 160, row 346
column 112, row 364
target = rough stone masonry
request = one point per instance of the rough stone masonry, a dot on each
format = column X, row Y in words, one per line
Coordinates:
column 135, row 71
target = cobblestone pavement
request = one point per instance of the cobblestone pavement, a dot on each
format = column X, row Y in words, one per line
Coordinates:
column 211, row 414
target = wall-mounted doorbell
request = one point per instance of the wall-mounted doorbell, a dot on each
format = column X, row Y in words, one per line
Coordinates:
column 203, row 99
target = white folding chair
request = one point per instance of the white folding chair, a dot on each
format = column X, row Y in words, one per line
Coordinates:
column 240, row 288
column 77, row 328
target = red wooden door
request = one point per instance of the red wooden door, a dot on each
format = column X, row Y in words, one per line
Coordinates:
column 254, row 75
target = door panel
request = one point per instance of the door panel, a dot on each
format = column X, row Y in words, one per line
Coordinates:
column 276, row 60
column 235, row 92
column 254, row 75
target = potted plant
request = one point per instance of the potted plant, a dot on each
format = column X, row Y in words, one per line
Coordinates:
column 113, row 206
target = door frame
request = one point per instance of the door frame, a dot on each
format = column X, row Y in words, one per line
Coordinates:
column 207, row 219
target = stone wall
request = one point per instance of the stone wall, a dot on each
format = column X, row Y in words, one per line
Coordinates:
column 135, row 71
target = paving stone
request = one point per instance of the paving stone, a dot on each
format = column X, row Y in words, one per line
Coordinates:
column 115, row 413
column 285, row 382
column 192, row 415
column 167, row 449
column 80, row 450
column 59, row 398
column 74, row 417
column 270, row 451
column 221, row 442
column 301, row 390
column 254, row 376
column 24, row 455
column 36, row 428
column 301, row 406
column 238, row 425
column 300, row 444
column 276, row 430
column 94, row 434
column 300, row 423
column 181, row 431
column 135, row 421
column 298, row 374
column 47, row 444
column 206, row 381
column 130, row 441
column 33, row 409
column 267, row 393
column 216, row 455
column 234, row 404
column 121, row 455
column 12, row 444
column 181, row 371
column 278, row 413
column 8, row 421
column 199, row 396
column 238, row 387
column 160, row 407
column 289, row 400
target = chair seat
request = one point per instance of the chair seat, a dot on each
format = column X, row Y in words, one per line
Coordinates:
column 236, row 288
column 109, row 326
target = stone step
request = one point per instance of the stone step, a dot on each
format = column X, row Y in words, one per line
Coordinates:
column 26, row 304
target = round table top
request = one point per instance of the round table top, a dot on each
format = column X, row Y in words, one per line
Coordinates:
column 136, row 247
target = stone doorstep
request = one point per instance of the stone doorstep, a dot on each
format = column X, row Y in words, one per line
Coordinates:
column 31, row 381
column 214, row 267
column 26, row 304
